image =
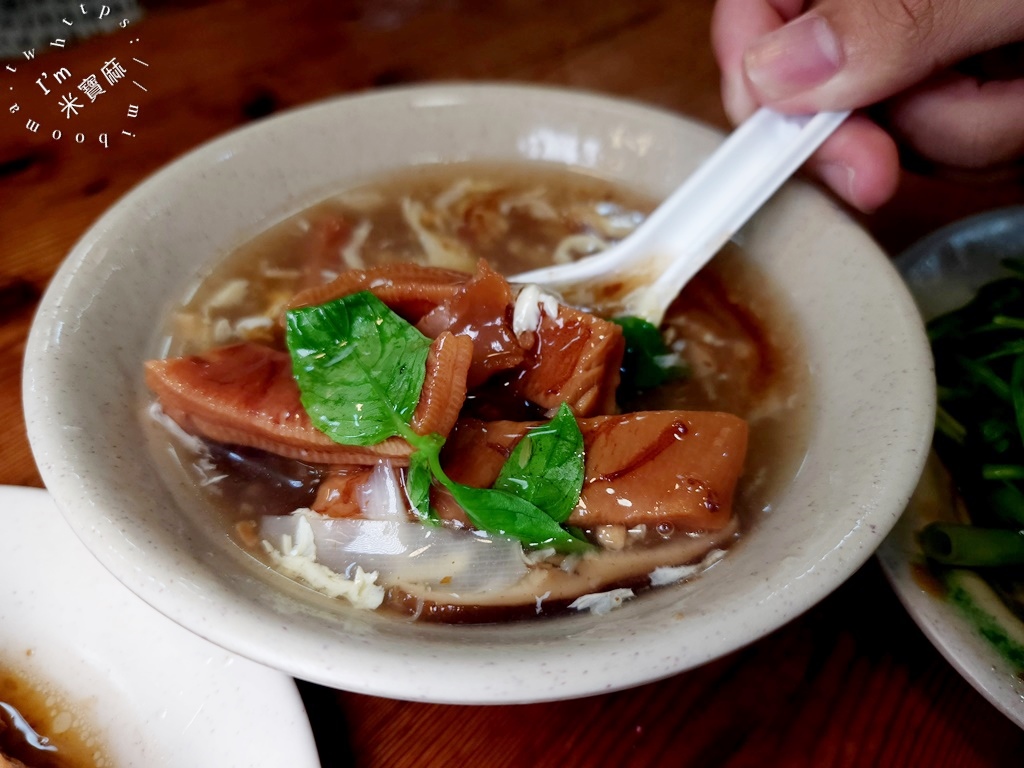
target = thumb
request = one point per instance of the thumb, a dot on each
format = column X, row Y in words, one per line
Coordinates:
column 844, row 54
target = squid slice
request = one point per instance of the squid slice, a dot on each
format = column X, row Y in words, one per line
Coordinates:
column 409, row 289
column 575, row 358
column 480, row 310
column 245, row 394
column 648, row 468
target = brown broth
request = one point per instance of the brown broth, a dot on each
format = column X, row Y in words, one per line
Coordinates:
column 732, row 329
column 43, row 729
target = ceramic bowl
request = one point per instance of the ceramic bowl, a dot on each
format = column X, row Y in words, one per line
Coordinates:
column 872, row 395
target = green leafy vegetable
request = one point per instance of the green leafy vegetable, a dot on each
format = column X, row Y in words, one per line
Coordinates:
column 648, row 362
column 359, row 366
column 417, row 486
column 360, row 370
column 979, row 433
column 500, row 512
column 979, row 365
column 546, row 466
column 948, row 426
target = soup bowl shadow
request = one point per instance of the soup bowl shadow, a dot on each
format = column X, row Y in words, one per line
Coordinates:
column 868, row 361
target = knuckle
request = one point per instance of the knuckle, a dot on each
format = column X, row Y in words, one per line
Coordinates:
column 915, row 22
column 914, row 17
column 917, row 15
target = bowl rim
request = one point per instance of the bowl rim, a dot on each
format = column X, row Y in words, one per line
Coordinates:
column 518, row 681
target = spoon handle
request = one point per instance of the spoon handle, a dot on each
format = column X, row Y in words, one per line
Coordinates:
column 693, row 224
column 696, row 220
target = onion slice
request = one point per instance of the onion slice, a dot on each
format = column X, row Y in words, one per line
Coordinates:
column 406, row 553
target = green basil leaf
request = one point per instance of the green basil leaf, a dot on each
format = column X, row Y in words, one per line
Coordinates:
column 497, row 511
column 546, row 466
column 500, row 512
column 417, row 486
column 360, row 370
column 359, row 366
column 647, row 362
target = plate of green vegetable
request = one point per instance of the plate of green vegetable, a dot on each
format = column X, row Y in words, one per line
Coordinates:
column 956, row 557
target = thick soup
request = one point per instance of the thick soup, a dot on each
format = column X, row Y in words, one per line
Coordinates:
column 373, row 410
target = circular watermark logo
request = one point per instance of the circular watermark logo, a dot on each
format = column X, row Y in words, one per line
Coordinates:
column 95, row 99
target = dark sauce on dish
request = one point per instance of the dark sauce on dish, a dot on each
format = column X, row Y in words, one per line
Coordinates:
column 40, row 730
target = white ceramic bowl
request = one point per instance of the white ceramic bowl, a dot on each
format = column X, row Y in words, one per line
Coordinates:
column 873, row 399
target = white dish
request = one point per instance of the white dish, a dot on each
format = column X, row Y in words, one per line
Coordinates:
column 943, row 271
column 83, row 383
column 157, row 695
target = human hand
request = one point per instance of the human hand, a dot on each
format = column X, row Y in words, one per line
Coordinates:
column 797, row 56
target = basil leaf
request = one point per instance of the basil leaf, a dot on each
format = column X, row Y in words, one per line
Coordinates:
column 647, row 362
column 546, row 466
column 360, row 370
column 500, row 512
column 359, row 366
column 417, row 487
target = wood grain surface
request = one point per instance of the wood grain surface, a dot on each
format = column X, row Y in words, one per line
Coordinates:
column 851, row 683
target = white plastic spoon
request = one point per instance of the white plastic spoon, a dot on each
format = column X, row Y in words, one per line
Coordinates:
column 644, row 273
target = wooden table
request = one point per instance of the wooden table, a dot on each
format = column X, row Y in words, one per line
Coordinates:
column 851, row 683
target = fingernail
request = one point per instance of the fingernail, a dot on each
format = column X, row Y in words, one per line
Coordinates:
column 838, row 177
column 794, row 58
column 736, row 99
